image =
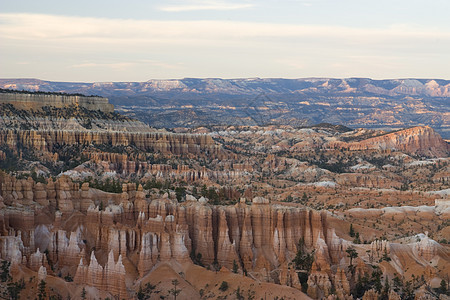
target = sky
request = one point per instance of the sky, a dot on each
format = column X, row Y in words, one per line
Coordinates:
column 139, row 40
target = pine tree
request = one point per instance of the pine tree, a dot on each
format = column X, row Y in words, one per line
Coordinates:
column 235, row 267
column 42, row 294
column 386, row 289
column 443, row 287
column 8, row 288
column 146, row 292
column 83, row 294
column 351, row 254
column 175, row 292
column 351, row 231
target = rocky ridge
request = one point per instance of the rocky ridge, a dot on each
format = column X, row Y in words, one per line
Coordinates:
column 245, row 86
column 52, row 133
column 23, row 100
column 416, row 141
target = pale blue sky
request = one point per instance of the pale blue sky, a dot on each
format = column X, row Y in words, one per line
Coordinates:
column 137, row 40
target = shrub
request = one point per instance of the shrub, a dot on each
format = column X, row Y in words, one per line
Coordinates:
column 224, row 286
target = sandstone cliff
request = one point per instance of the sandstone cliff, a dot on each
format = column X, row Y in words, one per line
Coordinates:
column 35, row 101
column 417, row 140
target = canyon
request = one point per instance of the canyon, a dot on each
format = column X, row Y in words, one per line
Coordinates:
column 99, row 204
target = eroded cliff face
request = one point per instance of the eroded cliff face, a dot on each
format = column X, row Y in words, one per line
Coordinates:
column 110, row 241
column 166, row 143
column 66, row 132
column 421, row 140
column 37, row 101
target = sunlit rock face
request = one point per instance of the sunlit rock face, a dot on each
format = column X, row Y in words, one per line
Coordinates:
column 37, row 101
column 422, row 140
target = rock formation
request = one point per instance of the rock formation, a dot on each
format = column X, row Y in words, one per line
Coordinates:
column 162, row 142
column 110, row 278
column 426, row 248
column 36, row 101
column 421, row 140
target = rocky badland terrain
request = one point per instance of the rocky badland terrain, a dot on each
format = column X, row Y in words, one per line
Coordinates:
column 356, row 102
column 98, row 205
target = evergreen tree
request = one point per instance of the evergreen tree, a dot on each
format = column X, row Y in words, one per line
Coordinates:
column 376, row 280
column 204, row 191
column 443, row 287
column 174, row 291
column 235, row 267
column 303, row 262
column 146, row 292
column 8, row 288
column 239, row 296
column 42, row 294
column 351, row 231
column 224, row 286
column 180, row 193
column 83, row 294
column 386, row 289
column 351, row 254
column 4, row 271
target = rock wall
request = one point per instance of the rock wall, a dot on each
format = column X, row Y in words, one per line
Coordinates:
column 166, row 143
column 421, row 140
column 136, row 164
column 37, row 101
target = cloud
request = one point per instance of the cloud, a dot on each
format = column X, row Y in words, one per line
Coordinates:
column 205, row 5
column 127, row 48
column 291, row 63
column 97, row 30
column 117, row 65
column 126, row 64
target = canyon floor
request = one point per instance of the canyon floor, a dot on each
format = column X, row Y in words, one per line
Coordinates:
column 97, row 205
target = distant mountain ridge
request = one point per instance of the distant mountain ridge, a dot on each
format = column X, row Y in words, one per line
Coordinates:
column 191, row 102
column 244, row 86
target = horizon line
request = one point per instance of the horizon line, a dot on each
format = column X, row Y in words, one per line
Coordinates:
column 234, row 78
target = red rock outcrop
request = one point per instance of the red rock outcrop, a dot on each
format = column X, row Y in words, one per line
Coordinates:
column 110, row 278
column 319, row 284
column 421, row 140
column 371, row 295
column 426, row 248
column 367, row 180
